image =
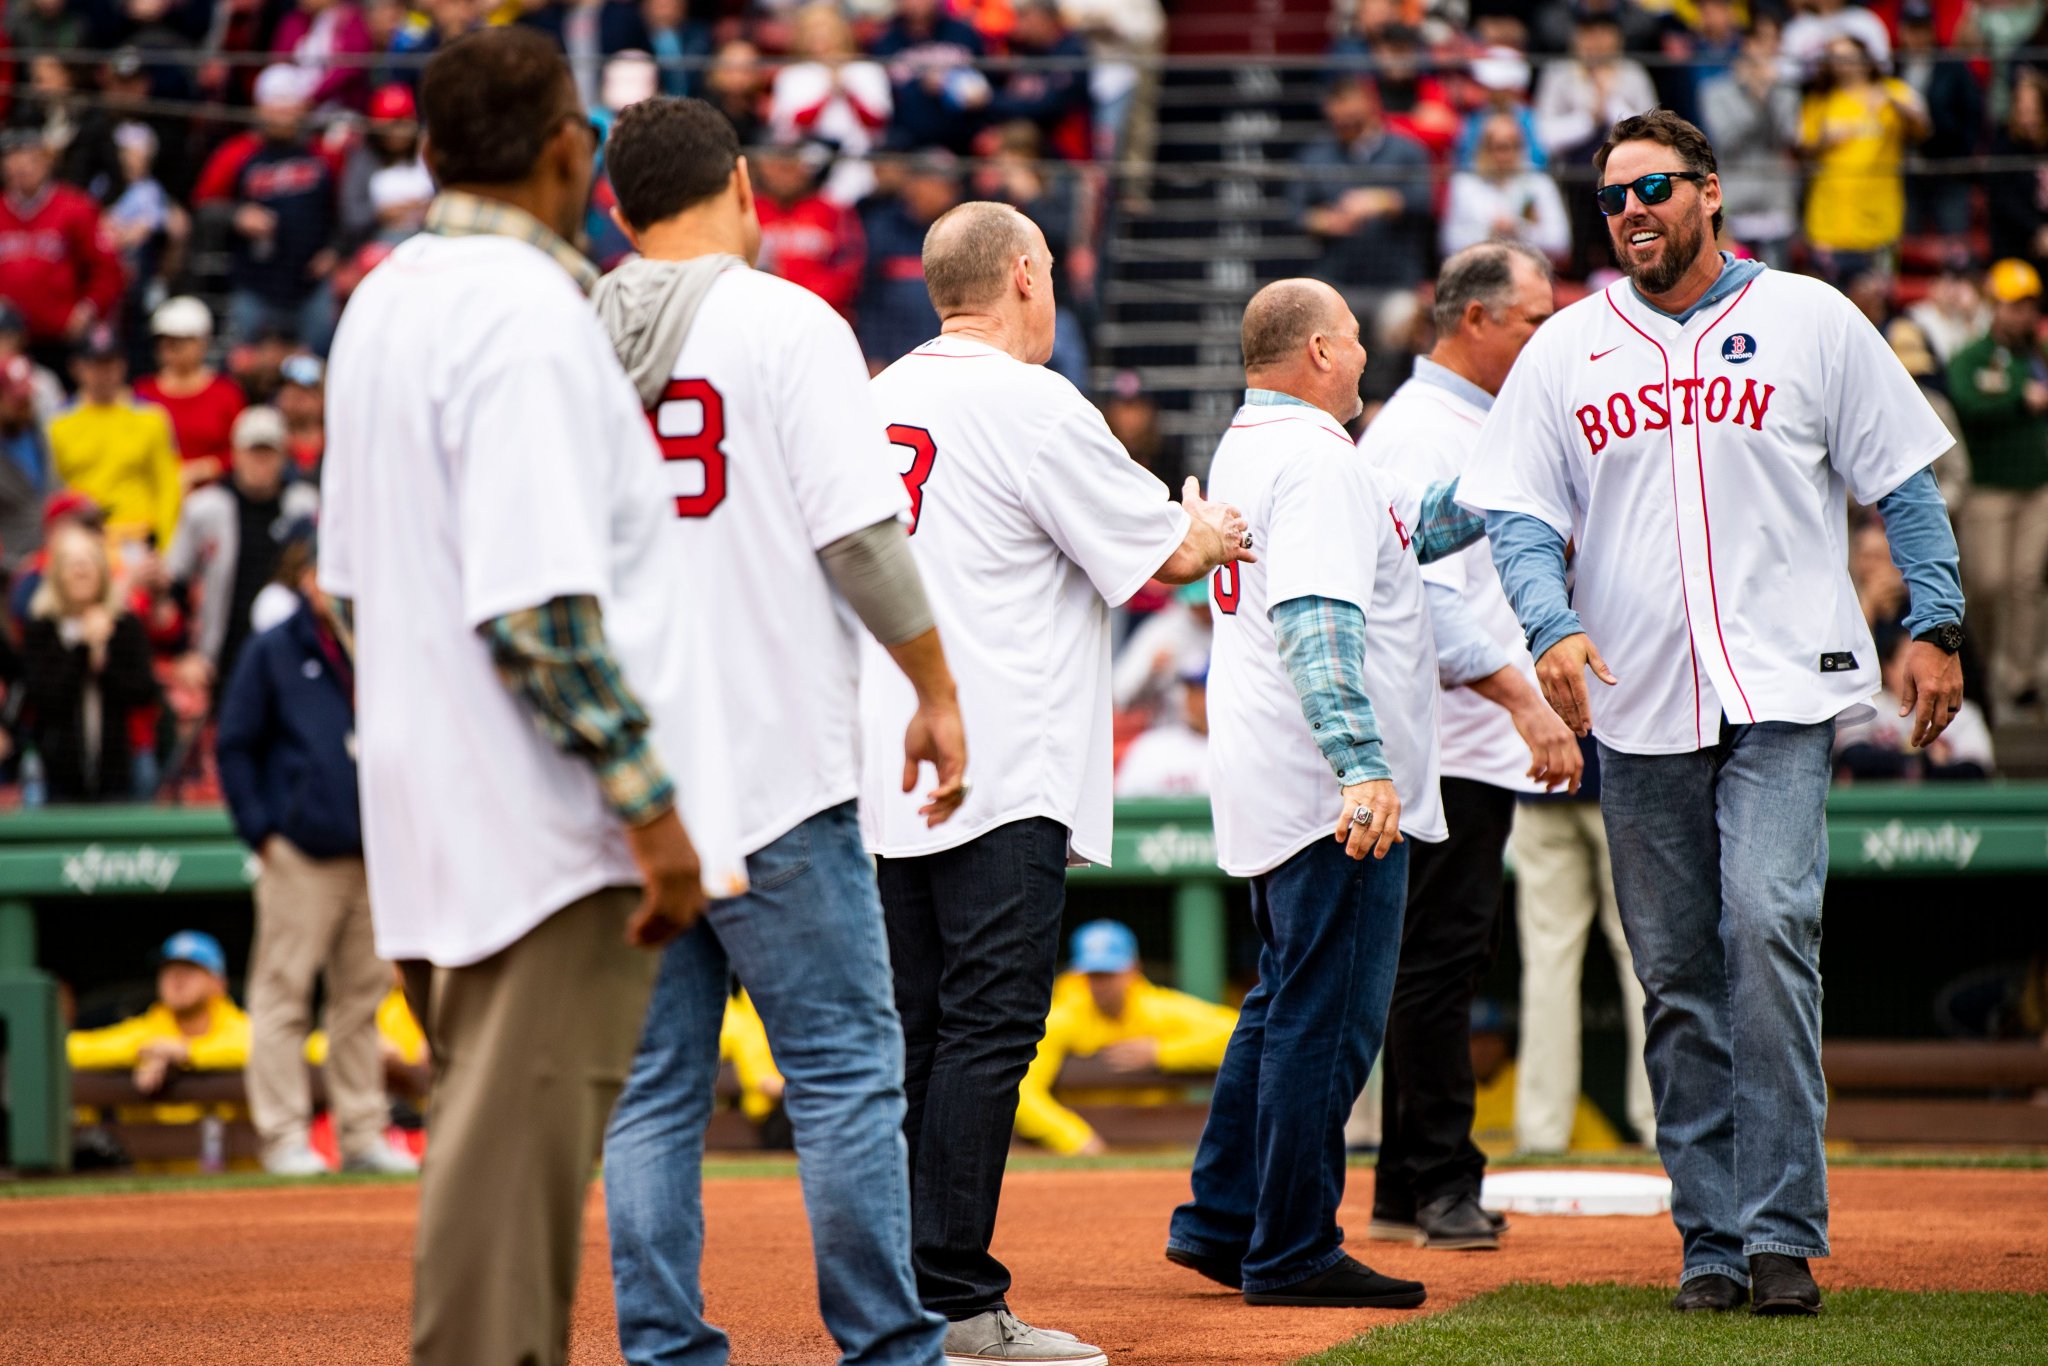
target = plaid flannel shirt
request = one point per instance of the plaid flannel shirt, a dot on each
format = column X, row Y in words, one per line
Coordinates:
column 555, row 657
column 455, row 214
column 1322, row 643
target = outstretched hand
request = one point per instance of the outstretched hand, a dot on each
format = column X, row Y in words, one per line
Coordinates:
column 1562, row 672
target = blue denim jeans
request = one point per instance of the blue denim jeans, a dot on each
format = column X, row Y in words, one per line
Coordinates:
column 807, row 944
column 1719, row 860
column 1270, row 1172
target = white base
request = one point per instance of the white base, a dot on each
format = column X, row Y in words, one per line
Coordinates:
column 1576, row 1192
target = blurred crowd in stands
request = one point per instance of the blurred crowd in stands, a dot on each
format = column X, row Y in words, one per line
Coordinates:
column 193, row 187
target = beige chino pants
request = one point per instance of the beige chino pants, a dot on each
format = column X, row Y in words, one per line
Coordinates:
column 531, row 1047
column 1564, row 884
column 313, row 921
column 2004, row 540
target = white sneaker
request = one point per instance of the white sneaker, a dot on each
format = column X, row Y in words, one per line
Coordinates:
column 999, row 1337
column 383, row 1159
column 296, row 1159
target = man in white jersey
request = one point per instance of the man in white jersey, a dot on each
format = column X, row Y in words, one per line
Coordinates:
column 1499, row 738
column 1322, row 716
column 782, row 492
column 524, row 667
column 1029, row 522
column 1695, row 429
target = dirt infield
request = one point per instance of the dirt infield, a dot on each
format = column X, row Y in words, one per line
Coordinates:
column 268, row 1277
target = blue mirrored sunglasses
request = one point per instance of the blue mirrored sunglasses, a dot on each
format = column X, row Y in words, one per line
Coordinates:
column 1653, row 188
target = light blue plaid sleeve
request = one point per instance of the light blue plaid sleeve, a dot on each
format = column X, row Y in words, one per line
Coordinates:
column 1322, row 643
column 1445, row 528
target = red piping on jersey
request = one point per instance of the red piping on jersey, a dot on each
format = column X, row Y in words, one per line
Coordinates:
column 1700, row 462
column 1274, row 422
column 1671, row 439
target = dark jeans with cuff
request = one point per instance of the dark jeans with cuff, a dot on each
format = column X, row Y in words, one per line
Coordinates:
column 974, row 941
column 1270, row 1172
column 1447, row 942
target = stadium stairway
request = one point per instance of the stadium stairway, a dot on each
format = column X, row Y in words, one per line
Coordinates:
column 1216, row 222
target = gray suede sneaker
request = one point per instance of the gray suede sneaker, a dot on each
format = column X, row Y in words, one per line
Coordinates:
column 999, row 1337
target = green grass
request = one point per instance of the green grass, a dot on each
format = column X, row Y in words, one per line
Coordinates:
column 1612, row 1325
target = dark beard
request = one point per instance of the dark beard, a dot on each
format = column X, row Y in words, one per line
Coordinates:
column 1681, row 248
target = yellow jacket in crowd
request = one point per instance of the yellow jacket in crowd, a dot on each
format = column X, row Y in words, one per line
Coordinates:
column 743, row 1042
column 123, row 457
column 1856, row 200
column 222, row 1047
column 1191, row 1034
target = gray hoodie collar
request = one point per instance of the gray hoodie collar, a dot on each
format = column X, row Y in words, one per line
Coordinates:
column 647, row 308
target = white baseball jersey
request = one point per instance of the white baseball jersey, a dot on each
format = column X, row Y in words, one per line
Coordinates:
column 1029, row 522
column 1426, row 432
column 1329, row 525
column 1702, row 470
column 772, row 451
column 486, row 454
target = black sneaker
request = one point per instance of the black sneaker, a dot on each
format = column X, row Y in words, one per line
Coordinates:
column 1455, row 1223
column 1350, row 1284
column 1217, row 1269
column 1782, row 1285
column 1710, row 1294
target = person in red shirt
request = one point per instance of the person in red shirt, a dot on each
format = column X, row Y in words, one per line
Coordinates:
column 806, row 238
column 57, row 264
column 203, row 403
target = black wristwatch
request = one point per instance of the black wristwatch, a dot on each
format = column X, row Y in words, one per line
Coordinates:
column 1947, row 637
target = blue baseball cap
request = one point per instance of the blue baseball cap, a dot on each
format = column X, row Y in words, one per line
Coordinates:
column 196, row 947
column 1104, row 946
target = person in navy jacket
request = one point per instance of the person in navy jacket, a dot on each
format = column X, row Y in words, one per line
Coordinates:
column 287, row 764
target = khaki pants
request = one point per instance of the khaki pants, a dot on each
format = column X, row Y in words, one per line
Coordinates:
column 531, row 1046
column 1564, row 884
column 313, row 920
column 2004, row 538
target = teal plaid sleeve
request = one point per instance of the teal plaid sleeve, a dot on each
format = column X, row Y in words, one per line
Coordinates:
column 1322, row 643
column 556, row 659
column 1445, row 527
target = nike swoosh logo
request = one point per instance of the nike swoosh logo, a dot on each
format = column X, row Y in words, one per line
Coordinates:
column 1608, row 352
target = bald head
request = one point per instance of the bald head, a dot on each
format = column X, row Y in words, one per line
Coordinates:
column 1300, row 338
column 971, row 254
column 1282, row 317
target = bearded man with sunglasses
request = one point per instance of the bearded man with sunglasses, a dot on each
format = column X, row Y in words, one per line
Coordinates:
column 1695, row 430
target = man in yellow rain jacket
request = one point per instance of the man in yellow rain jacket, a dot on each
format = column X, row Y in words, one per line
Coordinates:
column 191, row 1026
column 1105, row 1007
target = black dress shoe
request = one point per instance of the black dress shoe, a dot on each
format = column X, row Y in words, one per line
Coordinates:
column 1710, row 1294
column 1217, row 1269
column 1455, row 1223
column 1782, row 1285
column 1350, row 1284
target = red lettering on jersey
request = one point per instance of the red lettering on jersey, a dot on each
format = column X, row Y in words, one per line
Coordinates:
column 1622, row 414
column 1399, row 529
column 1595, row 430
column 923, row 451
column 1688, row 387
column 1651, row 396
column 1753, row 405
column 1719, row 392
column 1224, row 583
column 701, row 445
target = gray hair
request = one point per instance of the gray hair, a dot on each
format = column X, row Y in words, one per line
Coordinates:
column 968, row 254
column 1484, row 274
